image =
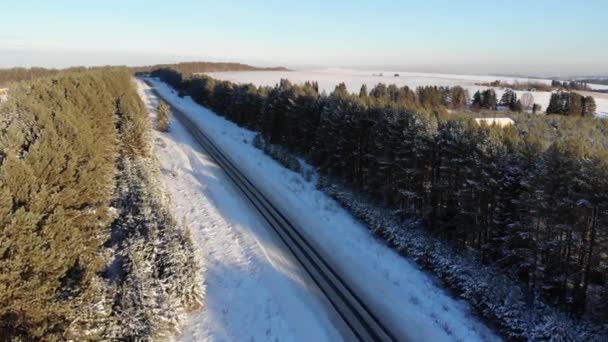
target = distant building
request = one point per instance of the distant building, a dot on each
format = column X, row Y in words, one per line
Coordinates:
column 500, row 122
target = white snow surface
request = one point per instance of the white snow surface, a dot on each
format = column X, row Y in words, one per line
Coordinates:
column 410, row 301
column 354, row 79
column 252, row 291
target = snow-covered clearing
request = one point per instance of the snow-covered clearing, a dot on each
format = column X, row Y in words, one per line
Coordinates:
column 253, row 291
column 329, row 78
column 409, row 301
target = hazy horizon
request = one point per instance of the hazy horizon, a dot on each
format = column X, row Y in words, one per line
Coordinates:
column 473, row 37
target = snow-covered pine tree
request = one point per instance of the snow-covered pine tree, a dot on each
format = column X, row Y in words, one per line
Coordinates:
column 508, row 99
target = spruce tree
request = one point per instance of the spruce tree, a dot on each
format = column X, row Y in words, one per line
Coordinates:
column 162, row 116
column 555, row 106
column 489, row 99
column 459, row 98
column 517, row 107
column 574, row 105
column 589, row 106
column 508, row 99
column 477, row 100
column 379, row 91
column 363, row 91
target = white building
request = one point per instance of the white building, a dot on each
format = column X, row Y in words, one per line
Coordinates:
column 500, row 122
column 3, row 94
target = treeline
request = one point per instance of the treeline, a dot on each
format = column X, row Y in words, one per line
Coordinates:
column 190, row 68
column 57, row 152
column 536, row 206
column 487, row 99
column 563, row 103
column 28, row 74
column 570, row 85
column 539, row 86
column 600, row 80
column 430, row 99
column 572, row 104
column 70, row 196
column 187, row 68
column 522, row 86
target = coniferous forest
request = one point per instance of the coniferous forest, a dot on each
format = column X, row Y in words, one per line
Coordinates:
column 91, row 248
column 530, row 199
column 88, row 248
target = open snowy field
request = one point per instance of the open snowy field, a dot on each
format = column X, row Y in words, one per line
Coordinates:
column 232, row 243
column 354, row 79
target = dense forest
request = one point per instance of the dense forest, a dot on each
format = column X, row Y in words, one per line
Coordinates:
column 599, row 80
column 539, row 86
column 530, row 198
column 522, row 86
column 21, row 74
column 570, row 85
column 571, row 103
column 187, row 68
column 81, row 257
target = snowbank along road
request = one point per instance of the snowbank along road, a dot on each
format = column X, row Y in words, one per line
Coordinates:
column 404, row 300
column 361, row 321
column 254, row 292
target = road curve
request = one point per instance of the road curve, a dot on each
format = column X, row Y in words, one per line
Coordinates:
column 363, row 323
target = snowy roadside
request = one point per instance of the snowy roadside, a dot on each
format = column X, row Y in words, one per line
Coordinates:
column 409, row 300
column 252, row 291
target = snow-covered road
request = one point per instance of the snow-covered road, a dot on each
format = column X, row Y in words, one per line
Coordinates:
column 253, row 289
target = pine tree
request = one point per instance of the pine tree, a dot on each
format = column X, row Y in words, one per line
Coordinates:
column 555, row 104
column 363, row 91
column 589, row 106
column 162, row 116
column 459, row 98
column 341, row 90
column 517, row 107
column 477, row 100
column 379, row 91
column 489, row 99
column 574, row 104
column 508, row 99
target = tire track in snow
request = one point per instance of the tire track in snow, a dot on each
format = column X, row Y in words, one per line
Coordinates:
column 251, row 294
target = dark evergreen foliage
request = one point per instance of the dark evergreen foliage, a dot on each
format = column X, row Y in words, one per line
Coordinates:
column 570, row 85
column 76, row 190
column 571, row 104
column 485, row 100
column 528, row 198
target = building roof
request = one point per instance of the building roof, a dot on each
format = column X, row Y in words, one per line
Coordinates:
column 501, row 122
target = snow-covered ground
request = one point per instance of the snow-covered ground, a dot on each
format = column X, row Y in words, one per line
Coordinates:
column 253, row 291
column 329, row 78
column 234, row 246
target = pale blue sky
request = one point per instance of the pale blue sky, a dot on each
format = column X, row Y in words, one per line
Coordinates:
column 522, row 36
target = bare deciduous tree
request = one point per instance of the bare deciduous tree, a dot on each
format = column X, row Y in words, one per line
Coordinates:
column 527, row 101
